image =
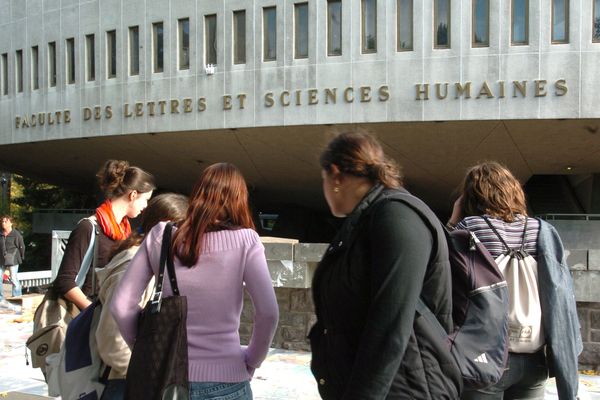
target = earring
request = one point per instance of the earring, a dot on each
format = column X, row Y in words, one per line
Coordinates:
column 336, row 189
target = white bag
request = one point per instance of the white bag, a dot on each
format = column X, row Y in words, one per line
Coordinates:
column 526, row 334
column 52, row 367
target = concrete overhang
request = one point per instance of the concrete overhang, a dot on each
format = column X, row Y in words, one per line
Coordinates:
column 281, row 163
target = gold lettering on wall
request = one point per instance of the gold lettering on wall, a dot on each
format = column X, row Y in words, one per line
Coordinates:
column 269, row 99
column 227, row 102
column 349, row 95
column 312, row 97
column 241, row 99
column 485, row 91
column 438, row 91
column 520, row 87
column 560, row 87
column 365, row 94
column 284, row 98
column 463, row 89
column 540, row 89
column 422, row 89
column 331, row 95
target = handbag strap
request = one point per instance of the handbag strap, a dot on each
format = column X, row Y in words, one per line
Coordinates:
column 166, row 260
column 508, row 249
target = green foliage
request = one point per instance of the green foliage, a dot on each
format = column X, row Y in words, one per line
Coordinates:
column 27, row 197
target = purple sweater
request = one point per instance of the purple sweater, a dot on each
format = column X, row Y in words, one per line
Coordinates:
column 214, row 288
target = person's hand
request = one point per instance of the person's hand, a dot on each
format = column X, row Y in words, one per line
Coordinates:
column 456, row 212
column 250, row 370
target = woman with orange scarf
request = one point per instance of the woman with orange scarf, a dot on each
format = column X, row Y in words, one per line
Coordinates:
column 127, row 190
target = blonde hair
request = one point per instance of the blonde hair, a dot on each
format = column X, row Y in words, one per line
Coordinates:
column 490, row 188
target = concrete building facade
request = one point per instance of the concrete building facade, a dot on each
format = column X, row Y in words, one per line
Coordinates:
column 176, row 85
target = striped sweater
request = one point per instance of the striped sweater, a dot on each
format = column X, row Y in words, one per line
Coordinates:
column 511, row 232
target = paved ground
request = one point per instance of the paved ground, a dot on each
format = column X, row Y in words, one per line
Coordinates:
column 284, row 375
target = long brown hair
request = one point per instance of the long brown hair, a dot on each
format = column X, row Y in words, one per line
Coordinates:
column 219, row 200
column 359, row 154
column 490, row 188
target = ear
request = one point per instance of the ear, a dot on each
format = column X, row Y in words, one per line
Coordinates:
column 133, row 195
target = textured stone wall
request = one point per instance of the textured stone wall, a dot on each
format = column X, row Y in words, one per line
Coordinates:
column 295, row 319
column 589, row 317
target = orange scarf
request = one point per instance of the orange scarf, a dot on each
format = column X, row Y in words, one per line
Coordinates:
column 110, row 227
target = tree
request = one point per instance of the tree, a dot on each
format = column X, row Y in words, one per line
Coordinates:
column 27, row 196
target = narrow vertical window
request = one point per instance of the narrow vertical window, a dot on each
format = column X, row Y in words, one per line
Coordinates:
column 210, row 35
column 301, row 30
column 70, row 61
column 19, row 70
column 52, row 64
column 369, row 26
column 239, row 37
column 441, row 22
column 560, row 21
column 111, row 54
column 269, row 33
column 405, row 25
column 134, row 50
column 35, row 68
column 596, row 22
column 520, row 22
column 334, row 28
column 183, row 39
column 157, row 46
column 90, row 58
column 481, row 23
column 4, row 67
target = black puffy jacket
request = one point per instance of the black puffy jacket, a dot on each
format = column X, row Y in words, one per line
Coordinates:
column 368, row 342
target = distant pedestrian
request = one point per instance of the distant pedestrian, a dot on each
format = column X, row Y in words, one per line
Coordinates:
column 217, row 255
column 12, row 253
column 127, row 190
column 368, row 342
column 492, row 206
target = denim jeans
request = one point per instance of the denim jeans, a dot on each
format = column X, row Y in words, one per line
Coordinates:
column 114, row 390
column 16, row 285
column 525, row 378
column 220, row 391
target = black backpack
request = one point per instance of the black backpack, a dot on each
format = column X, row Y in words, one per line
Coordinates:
column 479, row 342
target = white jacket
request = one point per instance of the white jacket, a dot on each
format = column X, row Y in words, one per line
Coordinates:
column 111, row 345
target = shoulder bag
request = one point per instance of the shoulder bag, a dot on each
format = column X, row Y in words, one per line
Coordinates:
column 158, row 369
column 55, row 312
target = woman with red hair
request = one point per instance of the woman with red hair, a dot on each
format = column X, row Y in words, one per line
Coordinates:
column 217, row 254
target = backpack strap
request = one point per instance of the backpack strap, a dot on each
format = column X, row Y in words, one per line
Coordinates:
column 90, row 255
column 508, row 249
column 426, row 313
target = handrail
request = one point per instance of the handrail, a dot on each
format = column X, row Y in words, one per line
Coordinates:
column 570, row 217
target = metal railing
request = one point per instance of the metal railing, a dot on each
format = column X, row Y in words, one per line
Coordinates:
column 35, row 278
column 572, row 217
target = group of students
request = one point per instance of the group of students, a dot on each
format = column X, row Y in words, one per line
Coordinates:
column 367, row 342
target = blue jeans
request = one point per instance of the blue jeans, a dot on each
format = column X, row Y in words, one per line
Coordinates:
column 220, row 391
column 16, row 285
column 525, row 378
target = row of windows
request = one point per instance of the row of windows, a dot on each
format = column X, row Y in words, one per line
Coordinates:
column 442, row 39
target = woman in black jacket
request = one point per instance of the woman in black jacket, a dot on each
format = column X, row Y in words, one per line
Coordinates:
column 368, row 341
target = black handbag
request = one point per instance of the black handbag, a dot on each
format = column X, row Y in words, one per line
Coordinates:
column 158, row 368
